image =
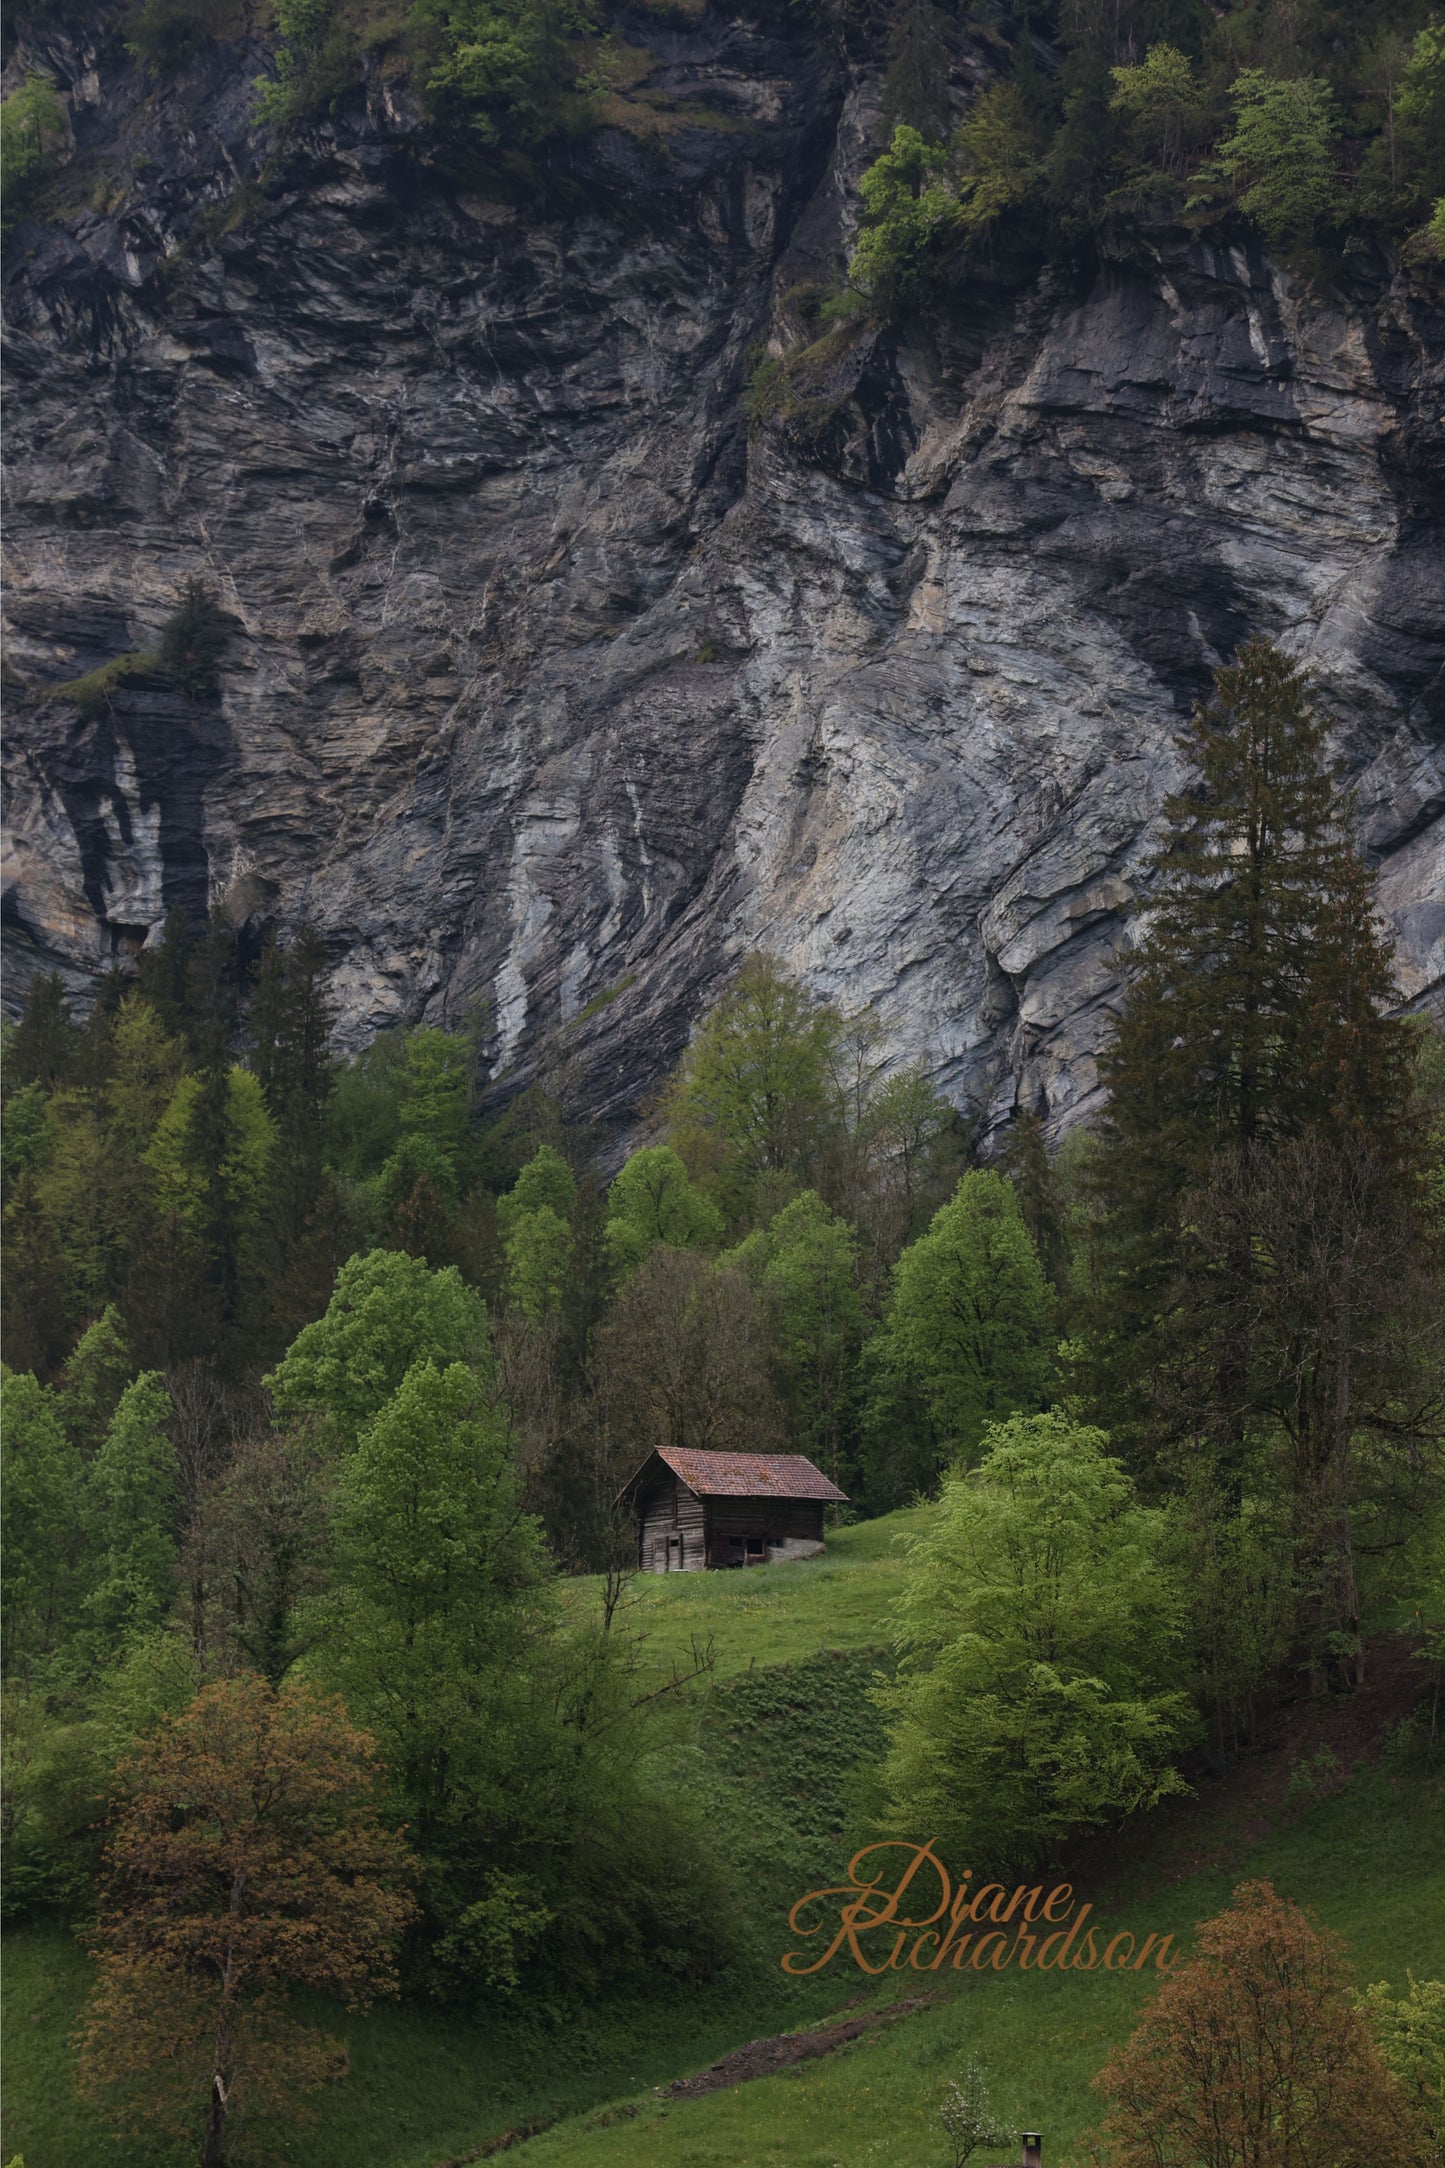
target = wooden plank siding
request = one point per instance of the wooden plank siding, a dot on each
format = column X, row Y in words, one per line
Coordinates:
column 682, row 1533
column 673, row 1535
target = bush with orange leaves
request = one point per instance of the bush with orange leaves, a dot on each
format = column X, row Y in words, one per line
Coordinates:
column 1252, row 2056
column 247, row 1859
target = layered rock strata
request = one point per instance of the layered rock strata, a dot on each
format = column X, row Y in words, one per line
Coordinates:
column 561, row 672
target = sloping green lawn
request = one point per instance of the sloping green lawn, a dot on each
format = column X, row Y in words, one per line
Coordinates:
column 1369, row 1862
column 775, row 1746
column 760, row 1615
column 425, row 2084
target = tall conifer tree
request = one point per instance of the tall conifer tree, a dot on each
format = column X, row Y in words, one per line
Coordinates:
column 1259, row 1093
column 1255, row 1007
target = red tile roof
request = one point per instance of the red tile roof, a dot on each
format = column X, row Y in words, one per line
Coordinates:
column 750, row 1475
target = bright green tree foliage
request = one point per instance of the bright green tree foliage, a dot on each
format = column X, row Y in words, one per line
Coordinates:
column 131, row 1513
column 1420, row 113
column 1039, row 1627
column 1410, row 2032
column 176, row 1159
column 755, row 1097
column 439, row 1576
column 42, row 1480
column 804, row 1267
column 75, row 1195
column 997, row 156
column 970, row 1317
column 908, row 210
column 1280, row 159
column 312, row 62
column 96, row 1373
column 32, row 122
column 539, row 1254
column 435, row 1087
column 545, row 1180
column 146, row 1068
column 654, row 1200
column 533, row 1221
column 389, row 1312
column 1162, row 104
column 506, row 64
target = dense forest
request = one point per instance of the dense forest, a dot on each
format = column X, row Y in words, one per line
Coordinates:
column 322, row 1383
column 1318, row 127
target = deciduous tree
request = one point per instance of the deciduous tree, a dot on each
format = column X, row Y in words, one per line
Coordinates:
column 652, row 1200
column 754, row 1097
column 1039, row 1630
column 1252, row 2056
column 247, row 1861
column 968, row 1325
column 132, row 1509
column 389, row 1311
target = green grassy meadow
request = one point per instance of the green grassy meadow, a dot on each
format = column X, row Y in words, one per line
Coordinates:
column 772, row 1751
column 776, row 1614
column 1369, row 1862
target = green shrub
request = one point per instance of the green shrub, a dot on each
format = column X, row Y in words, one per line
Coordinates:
column 32, row 124
column 1162, row 105
column 166, row 33
column 315, row 63
column 1420, row 116
column 908, row 211
column 1278, row 164
column 193, row 641
column 997, row 151
column 91, row 693
column 507, row 68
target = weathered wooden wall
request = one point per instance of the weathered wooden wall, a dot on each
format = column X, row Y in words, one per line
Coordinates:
column 673, row 1538
column 681, row 1533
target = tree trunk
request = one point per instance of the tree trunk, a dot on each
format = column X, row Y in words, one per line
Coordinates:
column 213, row 2148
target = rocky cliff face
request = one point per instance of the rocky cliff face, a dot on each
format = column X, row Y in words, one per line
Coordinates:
column 554, row 684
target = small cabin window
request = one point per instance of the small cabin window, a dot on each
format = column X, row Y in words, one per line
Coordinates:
column 755, row 1546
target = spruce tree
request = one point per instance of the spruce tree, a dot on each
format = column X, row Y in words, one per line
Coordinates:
column 1256, row 1243
column 213, row 994
column 193, row 641
column 306, row 1232
column 1024, row 1158
column 162, row 972
column 44, row 1047
column 1255, row 1008
column 915, row 88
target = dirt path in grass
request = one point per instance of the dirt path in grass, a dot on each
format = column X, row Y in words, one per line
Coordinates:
column 759, row 2059
column 762, row 2058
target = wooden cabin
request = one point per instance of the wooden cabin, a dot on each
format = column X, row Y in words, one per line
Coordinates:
column 696, row 1510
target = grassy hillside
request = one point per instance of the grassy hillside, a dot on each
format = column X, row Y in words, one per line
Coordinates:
column 772, row 1750
column 1369, row 1861
column 777, row 1614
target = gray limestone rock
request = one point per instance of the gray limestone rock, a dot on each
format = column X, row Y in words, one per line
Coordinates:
column 555, row 685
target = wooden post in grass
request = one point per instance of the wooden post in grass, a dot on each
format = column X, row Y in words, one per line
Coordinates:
column 1033, row 2149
